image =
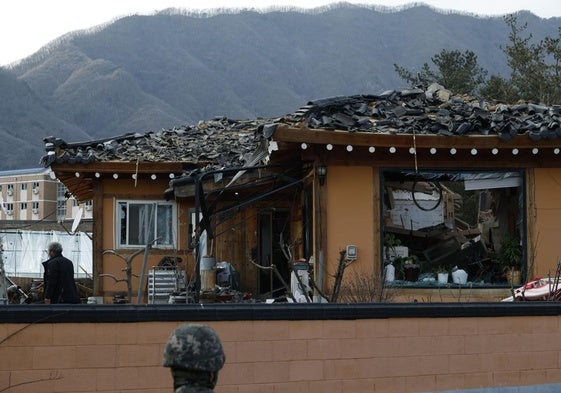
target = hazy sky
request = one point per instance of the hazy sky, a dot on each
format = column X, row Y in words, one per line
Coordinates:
column 27, row 25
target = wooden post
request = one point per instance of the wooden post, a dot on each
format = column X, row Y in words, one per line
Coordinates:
column 97, row 238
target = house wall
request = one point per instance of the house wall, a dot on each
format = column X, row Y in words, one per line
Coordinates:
column 234, row 239
column 351, row 219
column 233, row 243
column 355, row 193
column 352, row 197
column 547, row 217
column 113, row 265
column 393, row 355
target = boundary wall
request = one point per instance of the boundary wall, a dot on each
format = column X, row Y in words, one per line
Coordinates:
column 277, row 348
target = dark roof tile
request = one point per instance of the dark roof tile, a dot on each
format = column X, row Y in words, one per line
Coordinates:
column 226, row 142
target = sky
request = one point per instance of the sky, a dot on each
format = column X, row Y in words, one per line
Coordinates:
column 27, row 25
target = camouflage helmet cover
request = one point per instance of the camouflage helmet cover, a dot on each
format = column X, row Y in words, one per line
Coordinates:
column 194, row 347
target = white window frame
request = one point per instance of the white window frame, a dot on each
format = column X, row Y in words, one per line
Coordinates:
column 61, row 202
column 124, row 236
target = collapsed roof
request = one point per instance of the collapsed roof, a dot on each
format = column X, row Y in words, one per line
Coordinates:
column 223, row 142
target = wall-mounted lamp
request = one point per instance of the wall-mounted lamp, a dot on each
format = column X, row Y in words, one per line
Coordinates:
column 321, row 171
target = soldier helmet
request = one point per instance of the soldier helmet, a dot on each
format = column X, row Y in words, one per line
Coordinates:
column 194, row 347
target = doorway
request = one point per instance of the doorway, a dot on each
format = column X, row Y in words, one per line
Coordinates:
column 273, row 225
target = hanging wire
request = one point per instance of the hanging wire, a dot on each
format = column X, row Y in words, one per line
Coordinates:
column 415, row 151
column 417, row 177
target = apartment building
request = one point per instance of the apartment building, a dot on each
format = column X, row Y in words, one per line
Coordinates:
column 35, row 195
column 35, row 208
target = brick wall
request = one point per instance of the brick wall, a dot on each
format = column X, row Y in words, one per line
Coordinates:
column 394, row 355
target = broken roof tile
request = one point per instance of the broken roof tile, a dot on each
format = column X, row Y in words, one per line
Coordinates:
column 224, row 141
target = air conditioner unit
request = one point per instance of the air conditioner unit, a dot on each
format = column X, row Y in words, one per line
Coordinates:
column 10, row 192
column 35, row 211
column 9, row 212
column 88, row 208
column 36, row 190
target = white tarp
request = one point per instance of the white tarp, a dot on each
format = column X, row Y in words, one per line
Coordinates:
column 25, row 250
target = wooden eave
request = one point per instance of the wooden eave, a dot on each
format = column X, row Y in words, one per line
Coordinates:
column 336, row 137
column 336, row 147
column 79, row 178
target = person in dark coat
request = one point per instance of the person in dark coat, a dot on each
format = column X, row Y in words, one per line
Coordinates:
column 58, row 277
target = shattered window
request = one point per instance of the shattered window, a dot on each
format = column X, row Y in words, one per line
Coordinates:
column 453, row 227
column 140, row 223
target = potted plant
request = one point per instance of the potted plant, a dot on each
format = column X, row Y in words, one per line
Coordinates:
column 442, row 275
column 510, row 257
column 395, row 255
column 411, row 269
column 390, row 243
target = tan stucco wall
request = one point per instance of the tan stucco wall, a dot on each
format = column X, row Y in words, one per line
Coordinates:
column 547, row 212
column 126, row 189
column 394, row 355
column 351, row 217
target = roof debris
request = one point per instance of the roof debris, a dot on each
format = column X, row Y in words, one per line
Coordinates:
column 221, row 141
column 228, row 143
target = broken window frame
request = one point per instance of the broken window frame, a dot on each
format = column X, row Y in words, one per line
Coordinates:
column 486, row 257
column 155, row 228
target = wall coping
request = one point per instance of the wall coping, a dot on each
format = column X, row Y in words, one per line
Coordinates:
column 88, row 313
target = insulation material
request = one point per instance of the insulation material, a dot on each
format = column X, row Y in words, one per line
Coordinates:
column 405, row 214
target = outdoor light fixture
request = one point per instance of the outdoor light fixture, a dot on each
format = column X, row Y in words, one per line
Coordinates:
column 321, row 171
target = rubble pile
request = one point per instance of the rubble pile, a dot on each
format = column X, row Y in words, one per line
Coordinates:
column 222, row 141
column 227, row 142
column 434, row 110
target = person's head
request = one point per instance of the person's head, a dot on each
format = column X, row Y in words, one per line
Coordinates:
column 54, row 248
column 195, row 355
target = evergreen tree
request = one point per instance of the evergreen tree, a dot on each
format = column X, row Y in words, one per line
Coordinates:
column 535, row 68
column 455, row 70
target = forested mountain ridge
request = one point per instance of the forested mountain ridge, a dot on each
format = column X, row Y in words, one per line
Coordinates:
column 142, row 73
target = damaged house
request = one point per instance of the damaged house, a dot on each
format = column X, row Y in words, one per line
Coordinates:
column 419, row 180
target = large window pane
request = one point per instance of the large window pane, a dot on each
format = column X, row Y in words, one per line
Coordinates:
column 445, row 221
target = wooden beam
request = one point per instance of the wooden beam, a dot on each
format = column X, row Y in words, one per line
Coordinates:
column 336, row 137
column 119, row 167
column 97, row 240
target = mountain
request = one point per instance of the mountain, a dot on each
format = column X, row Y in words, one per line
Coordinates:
column 141, row 73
